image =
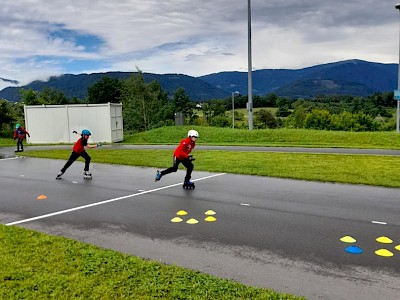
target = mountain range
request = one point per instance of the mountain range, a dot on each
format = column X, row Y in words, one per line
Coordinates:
column 350, row 77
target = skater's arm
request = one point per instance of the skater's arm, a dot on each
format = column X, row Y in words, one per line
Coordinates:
column 92, row 146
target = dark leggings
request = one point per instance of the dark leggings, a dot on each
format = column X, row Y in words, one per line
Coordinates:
column 19, row 144
column 74, row 156
column 186, row 162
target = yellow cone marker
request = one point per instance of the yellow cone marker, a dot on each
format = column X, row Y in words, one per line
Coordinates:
column 181, row 213
column 384, row 240
column 41, row 197
column 176, row 220
column 210, row 219
column 397, row 247
column 192, row 221
column 210, row 213
column 347, row 239
column 384, row 253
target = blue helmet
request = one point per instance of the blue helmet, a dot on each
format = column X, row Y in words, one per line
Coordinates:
column 86, row 132
column 17, row 126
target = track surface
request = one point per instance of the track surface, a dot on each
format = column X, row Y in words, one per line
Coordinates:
column 275, row 233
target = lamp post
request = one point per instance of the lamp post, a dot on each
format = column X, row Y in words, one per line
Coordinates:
column 250, row 84
column 233, row 107
column 397, row 93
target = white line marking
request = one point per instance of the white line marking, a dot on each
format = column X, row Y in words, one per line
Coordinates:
column 381, row 223
column 103, row 202
column 10, row 158
column 244, row 204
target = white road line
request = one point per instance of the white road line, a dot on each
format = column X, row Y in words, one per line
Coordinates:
column 103, row 202
column 244, row 204
column 381, row 223
column 10, row 158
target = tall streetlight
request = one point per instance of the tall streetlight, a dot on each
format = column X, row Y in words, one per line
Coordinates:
column 233, row 107
column 397, row 92
column 250, row 84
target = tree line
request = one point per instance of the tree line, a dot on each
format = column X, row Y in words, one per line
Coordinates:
column 147, row 106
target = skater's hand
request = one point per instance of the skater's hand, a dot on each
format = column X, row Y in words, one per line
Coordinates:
column 74, row 131
column 191, row 158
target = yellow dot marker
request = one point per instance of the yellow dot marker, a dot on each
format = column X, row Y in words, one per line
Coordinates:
column 41, row 197
column 397, row 247
column 384, row 240
column 210, row 219
column 181, row 213
column 348, row 239
column 384, row 253
column 176, row 220
column 192, row 221
column 210, row 213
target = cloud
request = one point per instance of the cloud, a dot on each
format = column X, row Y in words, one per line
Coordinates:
column 188, row 36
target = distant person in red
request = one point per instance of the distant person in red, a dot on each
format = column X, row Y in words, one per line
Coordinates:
column 77, row 151
column 20, row 134
column 181, row 155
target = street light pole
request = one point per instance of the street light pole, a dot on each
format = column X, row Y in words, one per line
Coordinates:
column 233, row 107
column 398, row 82
column 250, row 84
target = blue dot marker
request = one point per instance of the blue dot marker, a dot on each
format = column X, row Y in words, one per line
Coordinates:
column 354, row 250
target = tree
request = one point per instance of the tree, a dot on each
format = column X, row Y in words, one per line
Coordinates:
column 6, row 117
column 29, row 97
column 318, row 119
column 106, row 90
column 264, row 119
column 52, row 96
column 145, row 106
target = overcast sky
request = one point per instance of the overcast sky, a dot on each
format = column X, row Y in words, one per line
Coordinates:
column 39, row 39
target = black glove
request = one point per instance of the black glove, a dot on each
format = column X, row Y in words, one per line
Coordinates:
column 191, row 158
column 74, row 131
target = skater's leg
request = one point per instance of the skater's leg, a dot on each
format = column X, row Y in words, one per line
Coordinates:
column 71, row 159
column 18, row 144
column 174, row 167
column 87, row 160
column 21, row 144
column 189, row 169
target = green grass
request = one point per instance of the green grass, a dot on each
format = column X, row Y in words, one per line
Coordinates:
column 270, row 137
column 355, row 169
column 38, row 266
column 7, row 142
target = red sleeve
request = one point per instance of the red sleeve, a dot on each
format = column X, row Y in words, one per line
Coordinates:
column 184, row 148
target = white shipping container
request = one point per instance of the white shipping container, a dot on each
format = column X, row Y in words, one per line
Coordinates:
column 55, row 123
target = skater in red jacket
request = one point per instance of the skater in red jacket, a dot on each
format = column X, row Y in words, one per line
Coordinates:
column 77, row 151
column 181, row 155
column 20, row 134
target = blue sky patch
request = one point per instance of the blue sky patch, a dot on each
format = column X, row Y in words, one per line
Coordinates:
column 91, row 43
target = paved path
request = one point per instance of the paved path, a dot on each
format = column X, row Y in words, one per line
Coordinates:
column 275, row 233
column 9, row 150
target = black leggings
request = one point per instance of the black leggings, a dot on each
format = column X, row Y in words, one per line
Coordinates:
column 74, row 156
column 19, row 144
column 186, row 162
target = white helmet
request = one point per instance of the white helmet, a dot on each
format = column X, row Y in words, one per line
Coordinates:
column 193, row 133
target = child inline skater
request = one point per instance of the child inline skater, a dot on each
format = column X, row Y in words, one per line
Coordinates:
column 181, row 155
column 20, row 134
column 77, row 151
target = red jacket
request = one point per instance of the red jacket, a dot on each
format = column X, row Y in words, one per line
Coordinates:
column 185, row 147
column 79, row 146
column 20, row 133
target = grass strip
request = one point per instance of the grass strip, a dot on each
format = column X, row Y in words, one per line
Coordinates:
column 34, row 265
column 374, row 170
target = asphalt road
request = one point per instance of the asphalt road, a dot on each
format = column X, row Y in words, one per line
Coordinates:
column 275, row 233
